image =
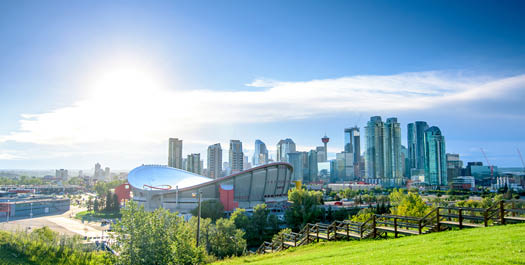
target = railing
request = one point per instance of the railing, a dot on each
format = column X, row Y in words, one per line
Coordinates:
column 502, row 212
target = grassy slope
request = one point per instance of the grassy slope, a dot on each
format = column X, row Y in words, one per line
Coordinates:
column 7, row 258
column 492, row 245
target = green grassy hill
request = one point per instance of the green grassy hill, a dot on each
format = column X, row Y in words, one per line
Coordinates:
column 7, row 258
column 491, row 245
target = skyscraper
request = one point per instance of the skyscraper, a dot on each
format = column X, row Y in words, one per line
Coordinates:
column 175, row 153
column 194, row 163
column 435, row 157
column 374, row 157
column 392, row 153
column 454, row 166
column 260, row 155
column 416, row 146
column 98, row 171
column 296, row 160
column 214, row 161
column 236, row 156
column 320, row 154
column 312, row 166
column 284, row 147
column 353, row 145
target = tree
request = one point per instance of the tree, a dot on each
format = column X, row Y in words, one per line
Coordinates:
column 109, row 202
column 410, row 204
column 210, row 209
column 96, row 206
column 226, row 240
column 157, row 237
column 90, row 204
column 116, row 205
column 258, row 227
column 240, row 219
column 304, row 208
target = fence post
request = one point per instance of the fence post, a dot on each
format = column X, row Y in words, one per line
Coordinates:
column 437, row 219
column 513, row 207
column 307, row 234
column 419, row 226
column 374, row 233
column 347, row 232
column 295, row 240
column 485, row 218
column 395, row 227
column 282, row 241
column 502, row 212
column 460, row 217
column 317, row 226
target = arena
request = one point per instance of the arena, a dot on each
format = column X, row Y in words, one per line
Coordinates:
column 157, row 186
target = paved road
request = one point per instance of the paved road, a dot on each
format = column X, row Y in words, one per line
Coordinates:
column 63, row 224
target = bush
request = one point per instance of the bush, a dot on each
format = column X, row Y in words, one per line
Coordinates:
column 44, row 246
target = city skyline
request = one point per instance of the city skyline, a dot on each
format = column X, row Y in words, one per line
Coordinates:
column 88, row 82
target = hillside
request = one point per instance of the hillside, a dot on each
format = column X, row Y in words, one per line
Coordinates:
column 491, row 245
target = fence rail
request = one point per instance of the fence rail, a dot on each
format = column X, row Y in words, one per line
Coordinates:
column 379, row 225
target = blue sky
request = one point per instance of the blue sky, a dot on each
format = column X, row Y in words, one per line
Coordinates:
column 89, row 81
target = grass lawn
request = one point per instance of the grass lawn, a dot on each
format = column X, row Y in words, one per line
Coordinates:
column 491, row 245
column 91, row 216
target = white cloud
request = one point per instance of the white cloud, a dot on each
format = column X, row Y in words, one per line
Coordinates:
column 6, row 156
column 132, row 107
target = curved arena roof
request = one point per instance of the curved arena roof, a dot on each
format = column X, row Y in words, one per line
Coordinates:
column 163, row 178
column 160, row 177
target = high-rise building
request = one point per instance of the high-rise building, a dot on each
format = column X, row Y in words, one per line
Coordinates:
column 194, row 163
column 392, row 153
column 98, row 174
column 454, row 167
column 404, row 162
column 374, row 156
column 296, row 159
column 435, row 157
column 214, row 161
column 345, row 166
column 107, row 173
column 416, row 145
column 320, row 154
column 61, row 174
column 284, row 147
column 236, row 156
column 175, row 153
column 245, row 164
column 260, row 155
column 353, row 145
column 313, row 171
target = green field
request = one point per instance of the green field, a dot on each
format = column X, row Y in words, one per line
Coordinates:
column 91, row 216
column 491, row 245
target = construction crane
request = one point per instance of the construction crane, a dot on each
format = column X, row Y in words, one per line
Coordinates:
column 521, row 157
column 488, row 163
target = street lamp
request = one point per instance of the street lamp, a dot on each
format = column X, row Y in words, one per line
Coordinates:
column 8, row 210
column 198, row 216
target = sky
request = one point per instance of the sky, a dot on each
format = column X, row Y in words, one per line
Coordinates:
column 110, row 81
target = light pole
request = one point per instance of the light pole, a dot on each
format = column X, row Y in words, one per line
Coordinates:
column 198, row 216
column 8, row 210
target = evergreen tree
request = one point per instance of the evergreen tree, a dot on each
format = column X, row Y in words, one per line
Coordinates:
column 96, row 206
column 116, row 205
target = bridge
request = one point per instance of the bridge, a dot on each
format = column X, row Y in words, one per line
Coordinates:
column 380, row 225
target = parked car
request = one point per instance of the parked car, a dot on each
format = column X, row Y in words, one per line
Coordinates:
column 340, row 203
